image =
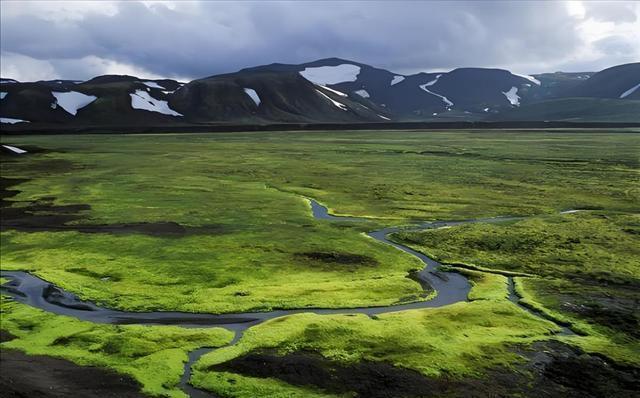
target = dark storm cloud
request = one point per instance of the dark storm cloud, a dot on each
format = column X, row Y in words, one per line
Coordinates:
column 200, row 39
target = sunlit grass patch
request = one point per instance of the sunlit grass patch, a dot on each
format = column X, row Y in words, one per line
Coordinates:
column 153, row 355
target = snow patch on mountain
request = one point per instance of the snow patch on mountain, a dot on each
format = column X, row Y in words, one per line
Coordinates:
column 630, row 91
column 340, row 93
column 362, row 93
column 12, row 121
column 72, row 101
column 142, row 100
column 8, row 81
column 530, row 78
column 444, row 99
column 15, row 149
column 153, row 85
column 331, row 74
column 384, row 117
column 512, row 96
column 2, row 95
column 334, row 102
column 432, row 82
column 254, row 96
column 396, row 79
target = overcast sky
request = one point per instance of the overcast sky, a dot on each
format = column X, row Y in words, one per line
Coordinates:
column 191, row 39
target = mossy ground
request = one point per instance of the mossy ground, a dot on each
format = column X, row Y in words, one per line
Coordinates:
column 248, row 187
column 583, row 269
column 458, row 341
column 252, row 261
column 153, row 355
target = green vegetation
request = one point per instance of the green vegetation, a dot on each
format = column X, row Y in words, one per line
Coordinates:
column 247, row 254
column 606, row 328
column 460, row 340
column 153, row 355
column 234, row 385
column 583, row 267
column 246, row 241
column 236, row 272
column 567, row 246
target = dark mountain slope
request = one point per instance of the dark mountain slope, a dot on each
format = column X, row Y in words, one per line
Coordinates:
column 31, row 101
column 114, row 102
column 474, row 89
column 281, row 95
column 553, row 85
column 35, row 102
column 331, row 90
column 609, row 83
column 408, row 96
column 576, row 109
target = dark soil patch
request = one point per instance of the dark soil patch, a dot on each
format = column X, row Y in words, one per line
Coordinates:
column 25, row 376
column 557, row 367
column 6, row 192
column 40, row 215
column 554, row 369
column 621, row 319
column 338, row 258
column 366, row 379
column 44, row 215
column 5, row 336
column 615, row 306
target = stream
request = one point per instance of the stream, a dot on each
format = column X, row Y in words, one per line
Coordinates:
column 450, row 287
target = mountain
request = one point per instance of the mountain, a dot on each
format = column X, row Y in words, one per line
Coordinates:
column 581, row 109
column 620, row 81
column 418, row 96
column 553, row 85
column 109, row 99
column 261, row 95
column 387, row 90
column 476, row 89
column 331, row 90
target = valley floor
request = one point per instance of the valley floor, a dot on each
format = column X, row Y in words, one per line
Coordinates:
column 221, row 224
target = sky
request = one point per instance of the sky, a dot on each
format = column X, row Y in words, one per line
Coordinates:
column 42, row 40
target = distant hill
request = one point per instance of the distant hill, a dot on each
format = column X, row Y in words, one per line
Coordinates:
column 331, row 90
column 576, row 110
column 620, row 81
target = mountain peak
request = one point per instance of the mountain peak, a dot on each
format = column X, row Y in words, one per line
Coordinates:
column 326, row 90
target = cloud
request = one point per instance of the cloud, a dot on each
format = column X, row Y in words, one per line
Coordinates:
column 25, row 68
column 616, row 12
column 615, row 45
column 197, row 39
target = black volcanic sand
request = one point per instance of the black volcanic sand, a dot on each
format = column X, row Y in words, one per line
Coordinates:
column 616, row 308
column 27, row 376
column 553, row 369
column 34, row 376
column 339, row 258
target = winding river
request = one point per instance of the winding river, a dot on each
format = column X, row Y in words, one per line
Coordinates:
column 450, row 287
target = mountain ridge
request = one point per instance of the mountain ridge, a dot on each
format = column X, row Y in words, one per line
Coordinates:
column 330, row 90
